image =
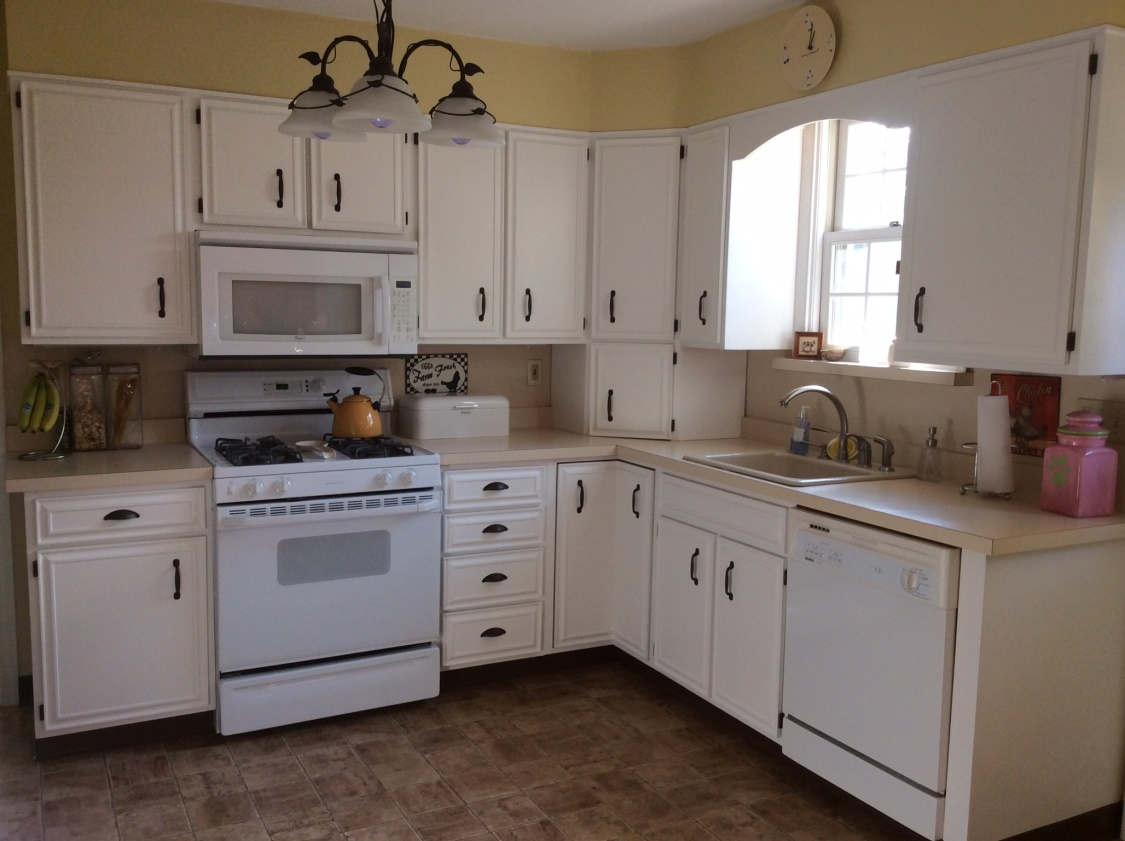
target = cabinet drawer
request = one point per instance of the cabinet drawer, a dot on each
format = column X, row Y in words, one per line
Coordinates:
column 480, row 489
column 97, row 517
column 760, row 524
column 477, row 636
column 491, row 530
column 498, row 578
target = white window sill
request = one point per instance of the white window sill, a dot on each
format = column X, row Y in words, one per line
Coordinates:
column 940, row 376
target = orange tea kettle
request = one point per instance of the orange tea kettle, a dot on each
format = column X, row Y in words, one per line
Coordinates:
column 356, row 416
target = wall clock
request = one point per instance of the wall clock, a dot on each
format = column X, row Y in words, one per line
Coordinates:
column 808, row 46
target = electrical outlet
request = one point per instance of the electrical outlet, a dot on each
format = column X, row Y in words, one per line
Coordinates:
column 534, row 371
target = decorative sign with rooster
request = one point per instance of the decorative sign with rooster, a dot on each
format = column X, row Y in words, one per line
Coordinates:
column 437, row 373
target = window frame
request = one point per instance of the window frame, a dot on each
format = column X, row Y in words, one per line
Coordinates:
column 834, row 238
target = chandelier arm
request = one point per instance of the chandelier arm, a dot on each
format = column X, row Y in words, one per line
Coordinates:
column 430, row 42
column 331, row 49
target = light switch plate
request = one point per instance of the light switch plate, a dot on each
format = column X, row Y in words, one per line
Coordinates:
column 534, row 371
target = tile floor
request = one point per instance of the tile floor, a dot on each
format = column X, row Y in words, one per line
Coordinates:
column 589, row 752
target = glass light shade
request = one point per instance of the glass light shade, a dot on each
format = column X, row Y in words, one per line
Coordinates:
column 311, row 116
column 456, row 125
column 389, row 107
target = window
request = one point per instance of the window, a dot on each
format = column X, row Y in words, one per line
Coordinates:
column 862, row 242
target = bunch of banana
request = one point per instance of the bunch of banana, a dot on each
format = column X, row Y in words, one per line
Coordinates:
column 39, row 409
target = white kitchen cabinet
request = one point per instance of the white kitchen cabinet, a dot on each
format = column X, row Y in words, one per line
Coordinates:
column 636, row 195
column 700, row 286
column 101, row 215
column 748, row 621
column 358, row 186
column 682, row 603
column 630, row 390
column 252, row 174
column 122, row 633
column 632, row 558
column 461, row 243
column 584, row 553
column 547, row 229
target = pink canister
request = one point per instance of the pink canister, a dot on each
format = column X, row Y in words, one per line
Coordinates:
column 1080, row 471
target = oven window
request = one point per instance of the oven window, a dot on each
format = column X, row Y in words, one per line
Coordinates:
column 291, row 308
column 331, row 557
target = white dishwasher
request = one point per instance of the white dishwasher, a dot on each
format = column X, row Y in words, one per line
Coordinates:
column 869, row 631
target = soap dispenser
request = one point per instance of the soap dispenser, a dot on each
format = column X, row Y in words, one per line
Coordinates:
column 929, row 465
column 802, row 431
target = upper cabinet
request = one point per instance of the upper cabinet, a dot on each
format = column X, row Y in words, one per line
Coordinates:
column 358, row 186
column 100, row 197
column 252, row 174
column 461, row 242
column 547, row 230
column 636, row 193
column 1012, row 243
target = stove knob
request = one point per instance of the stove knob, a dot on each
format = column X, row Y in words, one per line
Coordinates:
column 281, row 486
column 382, row 479
column 317, row 386
column 249, row 490
column 407, row 478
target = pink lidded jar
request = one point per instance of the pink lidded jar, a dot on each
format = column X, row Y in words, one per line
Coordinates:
column 1080, row 471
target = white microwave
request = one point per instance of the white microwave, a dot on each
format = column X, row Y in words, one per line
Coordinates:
column 307, row 302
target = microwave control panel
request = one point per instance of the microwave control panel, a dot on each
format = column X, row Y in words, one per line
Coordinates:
column 404, row 315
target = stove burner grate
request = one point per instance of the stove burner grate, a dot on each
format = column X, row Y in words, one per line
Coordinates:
column 242, row 452
column 360, row 448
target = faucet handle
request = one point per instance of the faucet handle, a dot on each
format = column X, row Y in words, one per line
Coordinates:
column 886, row 464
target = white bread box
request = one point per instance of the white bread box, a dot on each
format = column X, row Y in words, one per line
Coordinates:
column 452, row 415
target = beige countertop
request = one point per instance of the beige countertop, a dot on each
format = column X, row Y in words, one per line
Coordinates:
column 153, row 464
column 934, row 512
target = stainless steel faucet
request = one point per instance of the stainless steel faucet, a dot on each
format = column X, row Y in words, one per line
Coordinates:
column 842, row 449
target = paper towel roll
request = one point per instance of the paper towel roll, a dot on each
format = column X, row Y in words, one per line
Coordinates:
column 994, row 447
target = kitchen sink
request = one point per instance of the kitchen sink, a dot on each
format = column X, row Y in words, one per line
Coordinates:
column 797, row 471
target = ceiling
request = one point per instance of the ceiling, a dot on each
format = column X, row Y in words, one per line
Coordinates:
column 577, row 24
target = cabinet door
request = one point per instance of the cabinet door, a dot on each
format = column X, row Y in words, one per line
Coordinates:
column 122, row 633
column 636, row 193
column 460, row 242
column 682, row 602
column 631, row 390
column 357, row 186
column 632, row 558
column 104, row 251
column 252, row 173
column 749, row 617
column 584, row 553
column 548, row 178
column 700, row 282
column 991, row 225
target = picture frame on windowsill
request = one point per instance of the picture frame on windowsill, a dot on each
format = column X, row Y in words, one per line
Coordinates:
column 807, row 345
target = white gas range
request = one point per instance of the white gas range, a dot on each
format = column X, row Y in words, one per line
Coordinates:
column 327, row 551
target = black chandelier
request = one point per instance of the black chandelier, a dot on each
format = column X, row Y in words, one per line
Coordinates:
column 382, row 100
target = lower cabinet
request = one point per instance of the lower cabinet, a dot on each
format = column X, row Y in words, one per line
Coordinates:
column 632, row 558
column 121, row 630
column 682, row 603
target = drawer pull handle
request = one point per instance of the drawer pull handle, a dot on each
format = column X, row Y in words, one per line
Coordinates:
column 339, row 192
column 122, row 514
column 483, row 304
column 918, row 309
column 495, row 486
column 609, row 406
column 161, row 311
column 636, row 493
column 493, row 632
column 495, row 528
column 702, row 298
column 727, row 583
column 527, row 298
column 176, row 576
column 581, row 496
column 612, row 306
column 692, row 568
column 494, row 578
column 280, row 188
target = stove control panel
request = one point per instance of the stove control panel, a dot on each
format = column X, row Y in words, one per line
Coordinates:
column 326, row 483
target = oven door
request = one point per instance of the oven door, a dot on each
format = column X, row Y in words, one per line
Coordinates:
column 274, row 301
column 294, row 585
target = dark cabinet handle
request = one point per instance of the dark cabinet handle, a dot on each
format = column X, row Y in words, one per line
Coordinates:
column 612, row 306
column 495, row 486
column 692, row 568
column 527, row 309
column 609, row 406
column 727, row 582
column 483, row 304
column 280, row 188
column 702, row 297
column 495, row 528
column 494, row 578
column 636, row 493
column 581, row 496
column 918, row 308
column 493, row 632
column 339, row 191
column 122, row 514
column 176, row 576
column 160, row 311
